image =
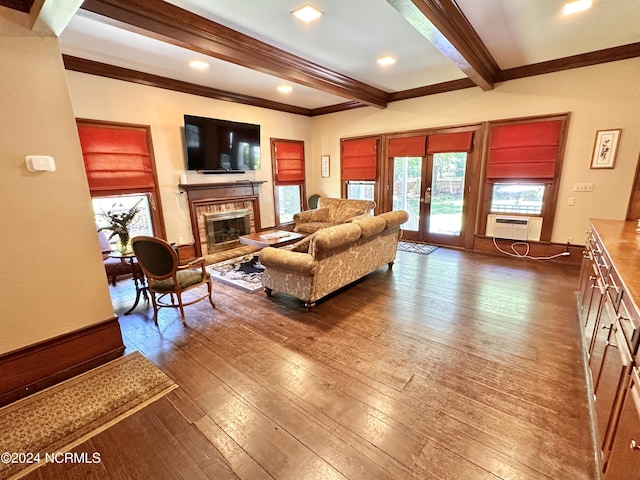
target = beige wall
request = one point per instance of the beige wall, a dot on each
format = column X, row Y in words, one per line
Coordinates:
column 599, row 97
column 164, row 111
column 52, row 278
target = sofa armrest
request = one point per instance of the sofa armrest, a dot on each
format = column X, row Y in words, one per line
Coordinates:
column 288, row 261
column 317, row 215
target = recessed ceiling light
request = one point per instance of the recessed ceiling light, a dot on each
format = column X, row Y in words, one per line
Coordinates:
column 198, row 64
column 285, row 89
column 307, row 13
column 388, row 60
column 576, row 6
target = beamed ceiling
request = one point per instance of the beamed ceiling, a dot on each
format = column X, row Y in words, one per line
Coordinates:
column 253, row 46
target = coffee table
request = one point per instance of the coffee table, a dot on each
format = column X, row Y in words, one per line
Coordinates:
column 271, row 238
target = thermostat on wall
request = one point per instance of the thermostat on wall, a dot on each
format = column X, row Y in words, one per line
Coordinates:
column 40, row 163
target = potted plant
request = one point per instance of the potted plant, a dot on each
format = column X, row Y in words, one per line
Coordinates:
column 119, row 224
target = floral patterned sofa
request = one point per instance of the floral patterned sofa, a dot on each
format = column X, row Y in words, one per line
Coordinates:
column 330, row 212
column 332, row 257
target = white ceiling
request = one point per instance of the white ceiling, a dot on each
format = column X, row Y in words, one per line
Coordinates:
column 351, row 35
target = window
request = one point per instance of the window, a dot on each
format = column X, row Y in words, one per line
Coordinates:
column 523, row 169
column 289, row 202
column 142, row 224
column 287, row 157
column 361, row 190
column 120, row 170
column 359, row 168
column 522, row 198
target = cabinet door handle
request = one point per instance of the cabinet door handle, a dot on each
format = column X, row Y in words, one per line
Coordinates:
column 634, row 445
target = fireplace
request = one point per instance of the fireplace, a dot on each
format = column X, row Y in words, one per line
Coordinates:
column 225, row 228
column 217, row 201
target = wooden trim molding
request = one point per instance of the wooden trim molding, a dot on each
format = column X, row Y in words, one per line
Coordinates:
column 44, row 364
column 485, row 244
column 20, row 5
column 613, row 54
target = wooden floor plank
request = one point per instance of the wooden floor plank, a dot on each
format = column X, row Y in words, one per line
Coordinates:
column 450, row 365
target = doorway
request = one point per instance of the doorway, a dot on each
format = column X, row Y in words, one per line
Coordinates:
column 432, row 190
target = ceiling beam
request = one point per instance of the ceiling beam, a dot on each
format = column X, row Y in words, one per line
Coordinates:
column 168, row 23
column 444, row 25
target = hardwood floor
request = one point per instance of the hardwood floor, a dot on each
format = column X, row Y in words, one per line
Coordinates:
column 453, row 365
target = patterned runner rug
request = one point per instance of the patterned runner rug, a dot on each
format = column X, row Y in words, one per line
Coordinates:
column 61, row 417
column 243, row 272
column 422, row 248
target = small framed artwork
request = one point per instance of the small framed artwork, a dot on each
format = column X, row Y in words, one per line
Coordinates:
column 605, row 148
column 324, row 166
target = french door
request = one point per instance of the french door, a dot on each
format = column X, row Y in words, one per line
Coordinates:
column 434, row 191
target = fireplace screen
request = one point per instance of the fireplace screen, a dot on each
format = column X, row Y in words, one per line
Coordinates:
column 225, row 228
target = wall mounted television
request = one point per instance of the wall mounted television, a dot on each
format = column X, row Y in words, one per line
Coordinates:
column 221, row 146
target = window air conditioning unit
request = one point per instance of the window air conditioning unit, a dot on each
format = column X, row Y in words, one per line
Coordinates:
column 511, row 228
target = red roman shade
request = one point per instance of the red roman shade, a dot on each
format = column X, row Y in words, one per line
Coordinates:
column 524, row 151
column 116, row 158
column 450, row 142
column 359, row 159
column 408, row 146
column 289, row 161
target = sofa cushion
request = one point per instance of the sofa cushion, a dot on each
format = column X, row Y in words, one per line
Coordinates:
column 370, row 225
column 302, row 245
column 342, row 209
column 317, row 215
column 334, row 237
column 394, row 218
column 311, row 227
column 341, row 215
column 288, row 261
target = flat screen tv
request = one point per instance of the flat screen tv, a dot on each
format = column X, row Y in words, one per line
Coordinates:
column 221, row 146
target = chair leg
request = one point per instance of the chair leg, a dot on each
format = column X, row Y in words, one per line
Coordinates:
column 210, row 288
column 179, row 295
column 155, row 307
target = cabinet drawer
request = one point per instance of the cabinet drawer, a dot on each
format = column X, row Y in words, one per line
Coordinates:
column 614, row 286
column 611, row 386
column 630, row 323
column 624, row 459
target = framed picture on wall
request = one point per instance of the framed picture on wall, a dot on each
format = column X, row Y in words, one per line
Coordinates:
column 324, row 166
column 605, row 148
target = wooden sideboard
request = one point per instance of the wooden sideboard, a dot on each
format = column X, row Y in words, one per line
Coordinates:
column 608, row 299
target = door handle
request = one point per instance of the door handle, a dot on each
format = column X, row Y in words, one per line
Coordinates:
column 427, row 195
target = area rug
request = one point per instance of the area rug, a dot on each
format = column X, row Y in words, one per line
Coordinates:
column 243, row 272
column 40, row 427
column 422, row 248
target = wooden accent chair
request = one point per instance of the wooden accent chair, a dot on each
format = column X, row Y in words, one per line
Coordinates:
column 165, row 276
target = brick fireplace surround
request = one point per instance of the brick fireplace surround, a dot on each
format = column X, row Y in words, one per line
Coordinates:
column 207, row 198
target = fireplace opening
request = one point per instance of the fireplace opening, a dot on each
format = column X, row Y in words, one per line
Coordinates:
column 225, row 228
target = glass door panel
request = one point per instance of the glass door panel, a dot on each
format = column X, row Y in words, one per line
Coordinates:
column 447, row 193
column 432, row 191
column 407, row 192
